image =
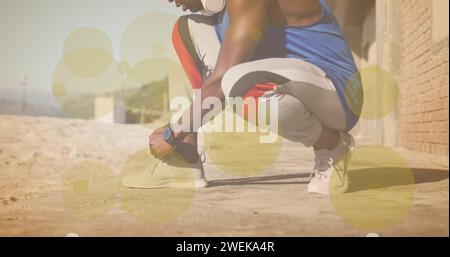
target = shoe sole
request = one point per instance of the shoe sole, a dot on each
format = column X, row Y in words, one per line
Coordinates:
column 170, row 184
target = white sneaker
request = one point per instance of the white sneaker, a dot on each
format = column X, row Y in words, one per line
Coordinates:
column 330, row 170
column 173, row 172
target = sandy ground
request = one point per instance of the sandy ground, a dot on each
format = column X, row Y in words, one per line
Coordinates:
column 35, row 153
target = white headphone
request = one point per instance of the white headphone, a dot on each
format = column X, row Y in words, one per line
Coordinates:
column 211, row 7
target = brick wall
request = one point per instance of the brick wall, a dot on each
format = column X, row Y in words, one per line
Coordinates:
column 422, row 118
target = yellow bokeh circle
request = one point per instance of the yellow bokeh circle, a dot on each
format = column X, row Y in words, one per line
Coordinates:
column 380, row 93
column 158, row 199
column 87, row 52
column 84, row 97
column 150, row 86
column 90, row 189
column 381, row 189
column 123, row 68
column 148, row 36
column 240, row 153
column 59, row 90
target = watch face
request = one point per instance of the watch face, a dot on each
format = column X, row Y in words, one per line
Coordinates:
column 167, row 134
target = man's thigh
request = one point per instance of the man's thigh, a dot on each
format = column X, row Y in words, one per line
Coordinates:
column 296, row 123
column 309, row 94
column 324, row 104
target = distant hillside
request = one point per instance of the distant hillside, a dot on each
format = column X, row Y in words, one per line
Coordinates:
column 149, row 97
column 39, row 102
column 32, row 109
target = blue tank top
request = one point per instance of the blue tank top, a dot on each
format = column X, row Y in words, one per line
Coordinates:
column 321, row 44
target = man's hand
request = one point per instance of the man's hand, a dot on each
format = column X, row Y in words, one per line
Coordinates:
column 158, row 146
column 191, row 5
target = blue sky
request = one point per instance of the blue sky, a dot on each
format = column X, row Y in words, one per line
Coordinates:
column 32, row 32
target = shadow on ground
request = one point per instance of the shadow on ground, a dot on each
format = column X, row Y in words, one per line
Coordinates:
column 263, row 180
column 386, row 177
column 360, row 180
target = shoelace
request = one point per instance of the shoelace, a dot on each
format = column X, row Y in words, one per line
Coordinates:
column 203, row 157
column 155, row 166
column 322, row 166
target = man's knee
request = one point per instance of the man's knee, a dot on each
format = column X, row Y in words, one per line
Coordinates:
column 250, row 78
column 230, row 79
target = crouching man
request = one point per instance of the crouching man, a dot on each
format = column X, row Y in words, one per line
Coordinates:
column 291, row 50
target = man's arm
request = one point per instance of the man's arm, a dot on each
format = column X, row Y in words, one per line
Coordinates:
column 247, row 22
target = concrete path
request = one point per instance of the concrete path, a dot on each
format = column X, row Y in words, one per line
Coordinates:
column 36, row 154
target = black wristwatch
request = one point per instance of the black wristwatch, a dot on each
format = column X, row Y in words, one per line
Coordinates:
column 169, row 137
